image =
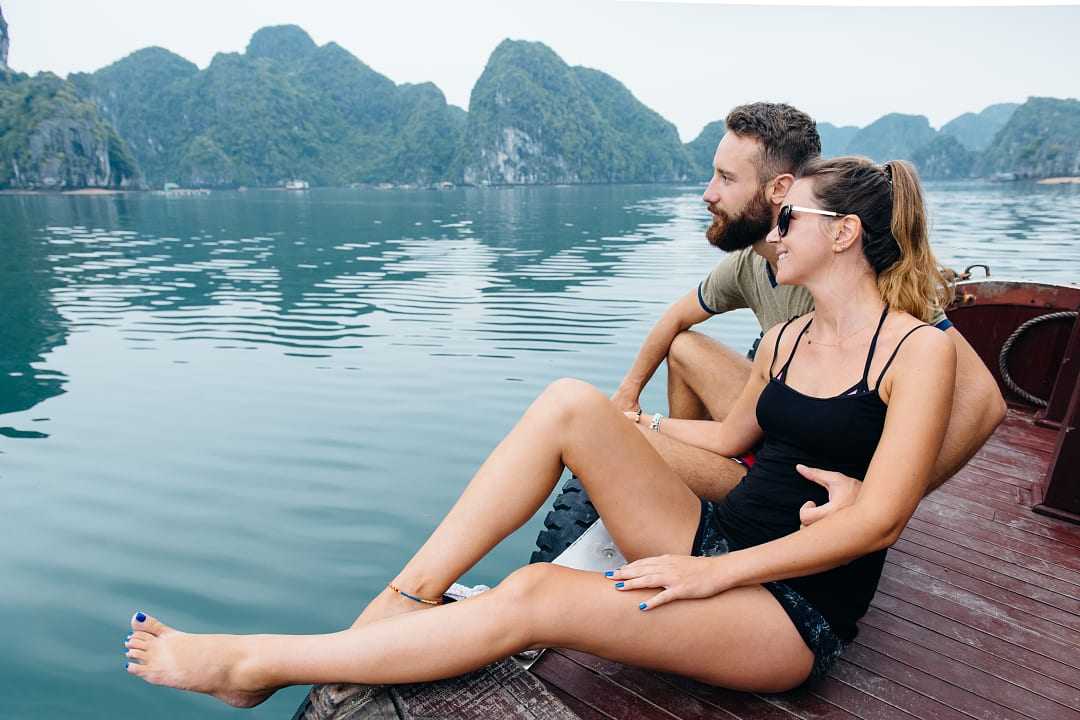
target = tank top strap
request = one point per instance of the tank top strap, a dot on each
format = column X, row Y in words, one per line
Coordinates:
column 864, row 383
column 896, row 350
column 776, row 349
column 782, row 375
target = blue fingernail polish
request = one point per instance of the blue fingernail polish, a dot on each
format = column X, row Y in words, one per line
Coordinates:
column 609, row 573
column 619, row 584
column 139, row 617
column 641, row 606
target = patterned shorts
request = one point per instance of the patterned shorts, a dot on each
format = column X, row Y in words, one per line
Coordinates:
column 811, row 624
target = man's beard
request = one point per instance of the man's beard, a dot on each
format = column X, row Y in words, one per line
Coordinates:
column 735, row 233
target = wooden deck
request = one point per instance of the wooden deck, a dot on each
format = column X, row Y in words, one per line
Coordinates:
column 977, row 616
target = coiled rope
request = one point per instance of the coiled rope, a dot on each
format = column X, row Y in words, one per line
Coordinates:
column 1003, row 358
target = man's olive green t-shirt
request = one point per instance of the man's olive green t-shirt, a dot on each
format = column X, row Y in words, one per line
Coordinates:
column 743, row 279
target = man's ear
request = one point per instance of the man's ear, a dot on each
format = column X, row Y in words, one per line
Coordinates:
column 848, row 229
column 778, row 188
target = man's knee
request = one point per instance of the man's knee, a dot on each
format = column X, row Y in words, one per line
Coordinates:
column 684, row 350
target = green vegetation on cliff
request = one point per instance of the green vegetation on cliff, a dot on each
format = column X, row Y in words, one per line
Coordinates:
column 1041, row 139
column 50, row 138
column 892, row 137
column 976, row 131
column 534, row 119
column 835, row 140
column 703, row 148
column 285, row 108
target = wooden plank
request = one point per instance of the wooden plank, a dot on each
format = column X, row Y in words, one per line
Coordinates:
column 1009, row 456
column 1002, row 668
column 1021, row 541
column 929, row 685
column 961, row 675
column 649, row 685
column 1002, row 443
column 990, row 544
column 980, row 604
column 1014, row 472
column 893, row 693
column 1001, row 628
column 1067, row 619
column 1011, row 507
column 905, row 548
column 742, row 705
column 583, row 710
column 971, row 507
column 596, row 691
column 859, row 703
column 1056, row 530
column 976, row 638
column 985, row 484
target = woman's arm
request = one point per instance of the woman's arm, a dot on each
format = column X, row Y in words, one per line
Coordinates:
column 919, row 393
column 739, row 431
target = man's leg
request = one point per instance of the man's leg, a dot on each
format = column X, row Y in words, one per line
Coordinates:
column 704, row 379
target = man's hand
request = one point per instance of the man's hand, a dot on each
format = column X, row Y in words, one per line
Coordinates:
column 625, row 399
column 842, row 492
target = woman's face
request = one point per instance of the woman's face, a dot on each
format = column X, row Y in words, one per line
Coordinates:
column 807, row 246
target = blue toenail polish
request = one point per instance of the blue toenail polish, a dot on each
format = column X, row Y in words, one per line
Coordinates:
column 641, row 606
column 609, row 573
column 139, row 617
column 126, row 665
column 619, row 584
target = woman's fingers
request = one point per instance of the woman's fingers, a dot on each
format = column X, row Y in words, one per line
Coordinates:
column 645, row 581
column 659, row 599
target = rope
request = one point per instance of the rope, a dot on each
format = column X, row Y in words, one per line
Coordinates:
column 1003, row 358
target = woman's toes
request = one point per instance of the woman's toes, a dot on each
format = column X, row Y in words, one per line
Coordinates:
column 137, row 643
column 134, row 668
column 142, row 622
column 136, row 654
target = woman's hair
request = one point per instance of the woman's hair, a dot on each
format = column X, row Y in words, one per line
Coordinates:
column 889, row 202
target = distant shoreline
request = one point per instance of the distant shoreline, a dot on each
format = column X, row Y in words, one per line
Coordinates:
column 1063, row 180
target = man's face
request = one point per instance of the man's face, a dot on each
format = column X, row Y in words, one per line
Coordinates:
column 742, row 215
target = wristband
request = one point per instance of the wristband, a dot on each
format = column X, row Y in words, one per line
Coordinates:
column 655, row 424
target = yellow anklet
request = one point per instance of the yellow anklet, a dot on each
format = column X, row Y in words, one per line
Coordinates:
column 413, row 597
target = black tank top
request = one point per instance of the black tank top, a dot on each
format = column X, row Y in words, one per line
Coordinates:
column 838, row 433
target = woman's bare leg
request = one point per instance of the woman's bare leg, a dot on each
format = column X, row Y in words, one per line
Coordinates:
column 740, row 639
column 647, row 509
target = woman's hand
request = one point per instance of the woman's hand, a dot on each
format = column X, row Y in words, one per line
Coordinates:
column 682, row 576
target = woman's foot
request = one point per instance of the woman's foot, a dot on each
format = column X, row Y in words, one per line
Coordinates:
column 388, row 604
column 213, row 664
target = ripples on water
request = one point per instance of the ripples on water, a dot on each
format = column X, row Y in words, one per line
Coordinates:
column 244, row 411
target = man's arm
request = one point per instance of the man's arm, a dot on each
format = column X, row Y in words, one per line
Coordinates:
column 977, row 409
column 682, row 315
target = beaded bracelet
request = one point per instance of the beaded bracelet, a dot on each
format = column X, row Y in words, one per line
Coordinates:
column 413, row 597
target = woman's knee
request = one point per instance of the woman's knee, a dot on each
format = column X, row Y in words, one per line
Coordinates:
column 526, row 591
column 570, row 398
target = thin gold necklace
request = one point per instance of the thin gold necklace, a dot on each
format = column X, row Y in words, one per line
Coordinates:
column 810, row 340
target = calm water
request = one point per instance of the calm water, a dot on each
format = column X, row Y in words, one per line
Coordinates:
column 243, row 412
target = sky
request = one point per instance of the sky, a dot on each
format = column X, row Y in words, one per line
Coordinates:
column 691, row 62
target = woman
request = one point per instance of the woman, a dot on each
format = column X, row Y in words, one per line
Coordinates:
column 735, row 593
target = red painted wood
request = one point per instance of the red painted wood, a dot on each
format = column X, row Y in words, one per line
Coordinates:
column 1004, row 548
column 991, row 562
column 929, row 684
column 905, row 550
column 1002, row 668
column 931, row 622
column 1062, row 483
column 598, row 692
column 961, row 675
column 1061, row 533
column 1017, row 599
column 896, row 694
column 1067, row 377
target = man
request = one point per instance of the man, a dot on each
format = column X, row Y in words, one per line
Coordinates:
column 754, row 166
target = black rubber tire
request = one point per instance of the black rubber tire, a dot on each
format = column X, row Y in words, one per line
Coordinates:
column 571, row 515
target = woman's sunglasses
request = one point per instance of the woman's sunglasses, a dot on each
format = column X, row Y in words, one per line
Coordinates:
column 784, row 221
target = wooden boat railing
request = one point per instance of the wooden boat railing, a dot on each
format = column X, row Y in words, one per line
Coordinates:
column 1045, row 361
